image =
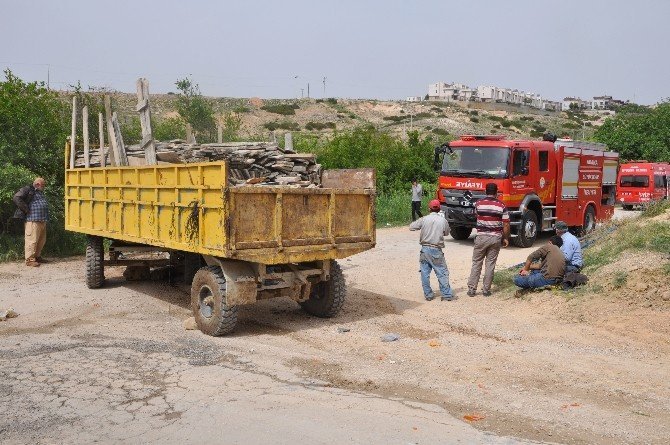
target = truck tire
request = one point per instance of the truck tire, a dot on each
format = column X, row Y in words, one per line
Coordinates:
column 208, row 302
column 327, row 297
column 527, row 231
column 627, row 207
column 589, row 221
column 95, row 269
column 460, row 232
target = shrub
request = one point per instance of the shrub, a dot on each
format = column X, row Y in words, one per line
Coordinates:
column 474, row 119
column 241, row 109
column 319, row 125
column 422, row 115
column 168, row 129
column 440, row 132
column 283, row 125
column 395, row 119
column 474, row 112
column 331, row 101
column 283, row 109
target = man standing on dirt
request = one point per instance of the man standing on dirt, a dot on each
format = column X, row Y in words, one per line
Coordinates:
column 417, row 194
column 434, row 228
column 492, row 233
column 34, row 209
column 544, row 267
column 570, row 248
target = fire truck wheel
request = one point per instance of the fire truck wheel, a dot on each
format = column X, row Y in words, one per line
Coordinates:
column 627, row 207
column 208, row 302
column 527, row 231
column 460, row 233
column 589, row 221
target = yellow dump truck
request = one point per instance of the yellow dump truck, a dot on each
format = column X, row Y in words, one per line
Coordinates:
column 242, row 243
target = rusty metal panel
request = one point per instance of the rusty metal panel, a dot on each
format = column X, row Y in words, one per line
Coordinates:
column 362, row 178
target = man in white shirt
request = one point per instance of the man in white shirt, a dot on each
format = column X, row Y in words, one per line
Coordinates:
column 434, row 228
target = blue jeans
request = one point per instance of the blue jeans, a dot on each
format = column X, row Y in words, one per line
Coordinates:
column 432, row 258
column 533, row 280
column 571, row 268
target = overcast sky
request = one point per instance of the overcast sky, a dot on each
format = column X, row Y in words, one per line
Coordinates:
column 366, row 49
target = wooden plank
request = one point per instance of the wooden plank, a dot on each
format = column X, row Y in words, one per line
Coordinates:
column 87, row 152
column 121, row 148
column 113, row 159
column 148, row 144
column 101, row 136
column 73, row 134
column 190, row 137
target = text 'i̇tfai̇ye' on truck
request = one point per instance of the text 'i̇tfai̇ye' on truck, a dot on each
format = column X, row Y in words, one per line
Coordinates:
column 540, row 182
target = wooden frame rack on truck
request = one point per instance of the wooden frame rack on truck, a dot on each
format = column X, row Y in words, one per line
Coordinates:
column 539, row 181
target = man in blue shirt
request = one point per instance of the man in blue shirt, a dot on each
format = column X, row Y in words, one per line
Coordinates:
column 570, row 248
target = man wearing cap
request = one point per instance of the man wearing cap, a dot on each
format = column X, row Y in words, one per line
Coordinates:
column 33, row 208
column 570, row 248
column 434, row 228
column 492, row 233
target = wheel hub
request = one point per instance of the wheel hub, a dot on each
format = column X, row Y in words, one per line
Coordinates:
column 206, row 302
column 530, row 229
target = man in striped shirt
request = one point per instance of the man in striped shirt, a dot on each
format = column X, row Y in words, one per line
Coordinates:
column 492, row 232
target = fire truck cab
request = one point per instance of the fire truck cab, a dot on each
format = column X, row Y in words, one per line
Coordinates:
column 642, row 182
column 540, row 182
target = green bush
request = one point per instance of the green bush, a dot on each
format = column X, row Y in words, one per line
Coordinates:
column 283, row 125
column 168, row 129
column 331, row 101
column 474, row 119
column 440, row 132
column 395, row 161
column 474, row 112
column 283, row 109
column 12, row 178
column 395, row 118
column 319, row 125
column 422, row 115
column 241, row 109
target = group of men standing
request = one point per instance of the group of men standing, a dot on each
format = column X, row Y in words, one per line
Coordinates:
column 545, row 266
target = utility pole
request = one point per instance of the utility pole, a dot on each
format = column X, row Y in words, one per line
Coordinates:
column 307, row 90
column 48, row 67
column 324, row 87
column 302, row 93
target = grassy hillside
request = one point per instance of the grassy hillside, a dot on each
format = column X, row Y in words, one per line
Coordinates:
column 324, row 116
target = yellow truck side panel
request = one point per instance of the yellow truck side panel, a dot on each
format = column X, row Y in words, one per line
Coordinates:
column 189, row 207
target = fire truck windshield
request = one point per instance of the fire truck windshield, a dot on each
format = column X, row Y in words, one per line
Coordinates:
column 485, row 162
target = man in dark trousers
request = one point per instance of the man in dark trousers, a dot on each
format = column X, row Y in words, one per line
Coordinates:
column 34, row 210
column 544, row 267
column 492, row 233
column 417, row 194
column 434, row 227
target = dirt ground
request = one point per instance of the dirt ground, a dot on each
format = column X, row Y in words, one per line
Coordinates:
column 116, row 364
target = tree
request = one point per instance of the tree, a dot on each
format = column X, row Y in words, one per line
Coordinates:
column 231, row 126
column 33, row 126
column 195, row 110
column 638, row 132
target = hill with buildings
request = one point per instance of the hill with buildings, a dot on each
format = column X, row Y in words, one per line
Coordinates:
column 259, row 119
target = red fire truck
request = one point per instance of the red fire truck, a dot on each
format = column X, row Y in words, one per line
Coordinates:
column 539, row 181
column 641, row 182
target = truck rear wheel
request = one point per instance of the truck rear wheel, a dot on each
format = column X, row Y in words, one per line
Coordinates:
column 527, row 231
column 208, row 302
column 327, row 297
column 589, row 221
column 95, row 269
column 627, row 207
column 460, row 232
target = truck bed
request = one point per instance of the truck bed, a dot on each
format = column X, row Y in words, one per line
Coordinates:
column 189, row 207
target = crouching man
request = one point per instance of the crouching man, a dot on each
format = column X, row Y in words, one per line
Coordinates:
column 434, row 228
column 544, row 267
